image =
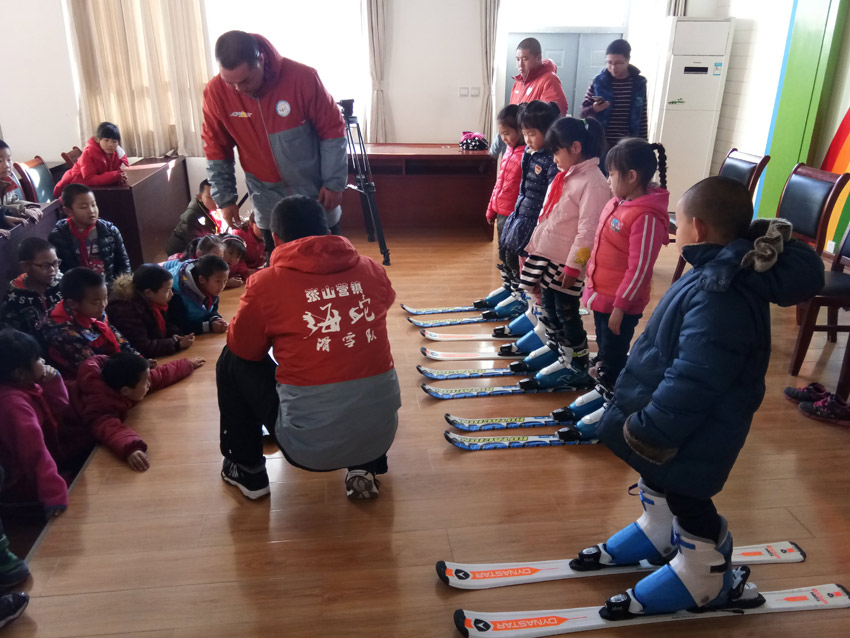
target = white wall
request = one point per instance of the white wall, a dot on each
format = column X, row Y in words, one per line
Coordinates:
column 39, row 110
column 434, row 48
column 758, row 46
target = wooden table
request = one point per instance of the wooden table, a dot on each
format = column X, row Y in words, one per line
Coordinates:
column 426, row 186
column 147, row 207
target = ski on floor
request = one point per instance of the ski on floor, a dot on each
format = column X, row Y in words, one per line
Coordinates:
column 459, row 336
column 438, row 323
column 481, row 443
column 489, row 575
column 439, row 310
column 552, row 622
column 502, row 423
column 464, row 373
column 487, row 391
column 438, row 355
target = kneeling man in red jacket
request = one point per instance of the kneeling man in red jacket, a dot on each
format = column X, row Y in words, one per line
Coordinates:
column 330, row 396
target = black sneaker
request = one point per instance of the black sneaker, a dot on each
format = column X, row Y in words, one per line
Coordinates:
column 11, row 606
column 12, row 569
column 253, row 485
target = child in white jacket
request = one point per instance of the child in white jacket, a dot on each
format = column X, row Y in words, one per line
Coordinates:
column 560, row 247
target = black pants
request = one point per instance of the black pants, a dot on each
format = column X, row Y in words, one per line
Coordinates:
column 248, row 400
column 614, row 349
column 562, row 314
column 696, row 516
column 511, row 261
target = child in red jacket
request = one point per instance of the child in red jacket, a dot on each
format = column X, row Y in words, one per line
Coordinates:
column 255, row 249
column 101, row 162
column 34, row 399
column 506, row 190
column 106, row 389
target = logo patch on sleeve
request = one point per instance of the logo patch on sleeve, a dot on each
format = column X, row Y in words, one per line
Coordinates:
column 582, row 255
column 538, row 169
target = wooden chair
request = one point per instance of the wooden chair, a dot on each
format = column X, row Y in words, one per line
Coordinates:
column 36, row 180
column 807, row 202
column 834, row 295
column 742, row 167
column 72, row 156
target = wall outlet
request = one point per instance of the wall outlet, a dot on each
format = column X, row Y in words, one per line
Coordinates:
column 475, row 91
column 830, row 247
column 463, row 91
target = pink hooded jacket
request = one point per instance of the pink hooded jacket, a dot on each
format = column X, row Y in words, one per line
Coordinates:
column 566, row 235
column 629, row 237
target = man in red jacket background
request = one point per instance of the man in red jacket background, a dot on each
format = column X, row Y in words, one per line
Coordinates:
column 287, row 127
column 330, row 397
column 537, row 80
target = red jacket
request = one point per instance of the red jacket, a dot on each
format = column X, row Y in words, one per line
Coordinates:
column 255, row 249
column 31, row 418
column 322, row 307
column 628, row 239
column 102, row 410
column 284, row 134
column 506, row 190
column 542, row 84
column 94, row 168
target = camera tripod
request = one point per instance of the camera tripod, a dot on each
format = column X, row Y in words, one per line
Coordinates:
column 363, row 178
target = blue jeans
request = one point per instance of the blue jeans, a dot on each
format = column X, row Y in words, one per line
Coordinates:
column 614, row 349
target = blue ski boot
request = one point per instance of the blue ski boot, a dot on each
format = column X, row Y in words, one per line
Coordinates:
column 584, row 429
column 510, row 306
column 532, row 339
column 699, row 577
column 520, row 326
column 490, row 301
column 559, row 374
column 586, row 404
column 649, row 538
column 540, row 358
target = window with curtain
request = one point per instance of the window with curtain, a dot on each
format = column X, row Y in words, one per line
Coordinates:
column 327, row 35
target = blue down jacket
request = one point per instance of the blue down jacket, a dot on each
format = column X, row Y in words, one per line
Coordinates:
column 538, row 171
column 683, row 405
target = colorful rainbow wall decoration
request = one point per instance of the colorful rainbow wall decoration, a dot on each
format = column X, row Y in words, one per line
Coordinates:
column 837, row 160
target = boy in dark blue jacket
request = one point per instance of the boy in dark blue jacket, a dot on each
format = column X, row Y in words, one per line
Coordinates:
column 683, row 405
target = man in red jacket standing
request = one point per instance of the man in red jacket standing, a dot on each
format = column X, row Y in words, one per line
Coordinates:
column 287, row 127
column 330, row 397
column 537, row 80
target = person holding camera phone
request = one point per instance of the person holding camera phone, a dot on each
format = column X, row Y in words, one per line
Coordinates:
column 288, row 129
column 616, row 97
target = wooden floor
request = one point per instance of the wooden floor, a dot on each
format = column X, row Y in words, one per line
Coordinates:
column 175, row 553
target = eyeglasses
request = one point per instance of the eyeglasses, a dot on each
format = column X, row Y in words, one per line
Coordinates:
column 50, row 265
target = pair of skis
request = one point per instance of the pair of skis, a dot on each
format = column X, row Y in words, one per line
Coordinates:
column 499, row 442
column 531, row 624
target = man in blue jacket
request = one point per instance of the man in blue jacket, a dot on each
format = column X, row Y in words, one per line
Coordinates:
column 683, row 405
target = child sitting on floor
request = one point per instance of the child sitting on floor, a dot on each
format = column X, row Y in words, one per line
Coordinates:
column 101, row 163
column 77, row 327
column 234, row 255
column 138, row 307
column 33, row 293
column 34, row 399
column 82, row 239
column 194, row 222
column 106, row 389
column 197, row 285
column 255, row 249
column 197, row 248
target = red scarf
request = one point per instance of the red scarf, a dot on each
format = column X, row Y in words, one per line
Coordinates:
column 159, row 310
column 82, row 237
column 554, row 196
column 106, row 339
column 37, row 393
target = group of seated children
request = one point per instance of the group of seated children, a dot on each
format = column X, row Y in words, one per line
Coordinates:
column 79, row 334
column 199, row 232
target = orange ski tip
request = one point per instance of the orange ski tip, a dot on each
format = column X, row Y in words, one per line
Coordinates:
column 450, row 572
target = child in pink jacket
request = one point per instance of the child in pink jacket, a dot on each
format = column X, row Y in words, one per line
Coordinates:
column 34, row 399
column 506, row 190
column 632, row 229
column 560, row 247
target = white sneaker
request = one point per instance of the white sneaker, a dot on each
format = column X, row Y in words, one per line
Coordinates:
column 361, row 484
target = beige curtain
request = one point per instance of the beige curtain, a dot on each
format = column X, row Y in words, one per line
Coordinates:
column 143, row 66
column 376, row 13
column 677, row 7
column 489, row 23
